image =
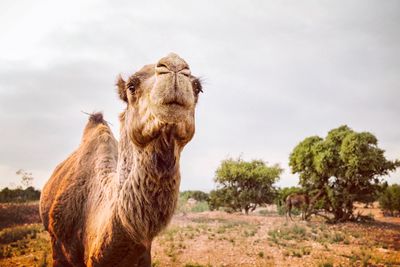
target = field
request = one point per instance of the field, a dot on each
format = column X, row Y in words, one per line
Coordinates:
column 195, row 239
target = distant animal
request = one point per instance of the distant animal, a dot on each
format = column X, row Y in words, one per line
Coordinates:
column 106, row 202
column 297, row 200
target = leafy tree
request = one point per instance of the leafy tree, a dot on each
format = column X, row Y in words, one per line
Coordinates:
column 347, row 165
column 389, row 200
column 243, row 185
column 195, row 194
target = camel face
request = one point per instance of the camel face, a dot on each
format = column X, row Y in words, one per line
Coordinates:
column 172, row 94
column 161, row 97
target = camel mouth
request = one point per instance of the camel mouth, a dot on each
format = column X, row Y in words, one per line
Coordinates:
column 175, row 103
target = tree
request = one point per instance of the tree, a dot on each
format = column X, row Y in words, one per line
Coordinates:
column 26, row 178
column 389, row 200
column 347, row 165
column 195, row 194
column 243, row 185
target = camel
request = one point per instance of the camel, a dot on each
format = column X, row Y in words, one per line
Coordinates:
column 302, row 202
column 107, row 201
column 297, row 200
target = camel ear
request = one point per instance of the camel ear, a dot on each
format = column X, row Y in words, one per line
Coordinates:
column 121, row 86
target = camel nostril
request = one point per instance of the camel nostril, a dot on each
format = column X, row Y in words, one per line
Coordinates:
column 186, row 72
column 161, row 65
column 172, row 63
column 162, row 69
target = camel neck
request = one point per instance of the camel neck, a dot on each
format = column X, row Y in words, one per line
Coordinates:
column 149, row 181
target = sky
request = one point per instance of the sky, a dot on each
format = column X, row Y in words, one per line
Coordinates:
column 274, row 72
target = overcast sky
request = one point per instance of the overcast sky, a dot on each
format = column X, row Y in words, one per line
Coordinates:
column 274, row 73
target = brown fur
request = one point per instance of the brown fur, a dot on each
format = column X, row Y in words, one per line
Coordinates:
column 297, row 200
column 303, row 202
column 106, row 202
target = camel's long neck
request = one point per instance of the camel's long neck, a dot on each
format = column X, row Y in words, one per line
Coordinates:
column 149, row 185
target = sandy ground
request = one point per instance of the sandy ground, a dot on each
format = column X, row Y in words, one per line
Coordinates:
column 259, row 239
column 221, row 239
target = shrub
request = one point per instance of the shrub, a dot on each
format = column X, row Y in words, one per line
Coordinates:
column 389, row 200
column 195, row 194
column 200, row 207
column 10, row 235
column 19, row 195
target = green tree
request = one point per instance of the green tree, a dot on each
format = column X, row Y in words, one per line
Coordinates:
column 347, row 165
column 195, row 194
column 243, row 185
column 389, row 200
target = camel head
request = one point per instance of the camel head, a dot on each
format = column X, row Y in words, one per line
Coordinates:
column 160, row 98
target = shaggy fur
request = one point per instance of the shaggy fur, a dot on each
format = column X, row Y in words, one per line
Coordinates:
column 106, row 202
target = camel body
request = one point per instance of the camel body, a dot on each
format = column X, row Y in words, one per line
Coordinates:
column 79, row 207
column 297, row 200
column 303, row 202
column 106, row 202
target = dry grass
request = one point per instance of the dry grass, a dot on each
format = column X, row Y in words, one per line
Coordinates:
column 220, row 239
column 27, row 245
column 214, row 239
column 18, row 213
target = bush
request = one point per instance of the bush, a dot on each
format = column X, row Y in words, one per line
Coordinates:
column 195, row 194
column 10, row 235
column 184, row 207
column 19, row 195
column 200, row 207
column 389, row 200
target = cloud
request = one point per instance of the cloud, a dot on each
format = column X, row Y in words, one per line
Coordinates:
column 274, row 74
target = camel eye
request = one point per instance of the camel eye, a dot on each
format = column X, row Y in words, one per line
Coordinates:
column 133, row 84
column 197, row 87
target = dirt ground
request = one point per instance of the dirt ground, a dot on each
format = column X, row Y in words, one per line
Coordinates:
column 259, row 239
column 221, row 239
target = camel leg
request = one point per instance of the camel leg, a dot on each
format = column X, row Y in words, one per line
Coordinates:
column 306, row 215
column 59, row 260
column 287, row 213
column 290, row 213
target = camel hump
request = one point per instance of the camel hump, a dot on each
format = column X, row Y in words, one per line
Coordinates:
column 96, row 128
column 97, row 118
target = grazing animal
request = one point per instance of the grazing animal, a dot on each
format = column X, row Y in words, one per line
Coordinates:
column 106, row 202
column 303, row 202
column 297, row 200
